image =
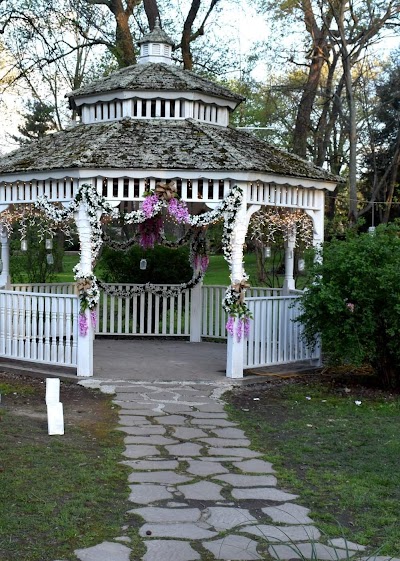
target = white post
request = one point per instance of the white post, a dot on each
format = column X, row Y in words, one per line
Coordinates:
column 290, row 243
column 196, row 308
column 5, row 258
column 85, row 342
column 235, row 349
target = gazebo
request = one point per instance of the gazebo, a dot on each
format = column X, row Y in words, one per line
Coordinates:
column 146, row 125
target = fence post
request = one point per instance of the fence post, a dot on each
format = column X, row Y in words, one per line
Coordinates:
column 235, row 353
column 85, row 340
column 5, row 258
column 196, row 308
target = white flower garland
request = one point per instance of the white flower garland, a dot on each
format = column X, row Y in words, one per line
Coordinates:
column 96, row 205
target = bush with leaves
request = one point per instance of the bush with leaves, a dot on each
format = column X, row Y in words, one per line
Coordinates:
column 164, row 265
column 353, row 306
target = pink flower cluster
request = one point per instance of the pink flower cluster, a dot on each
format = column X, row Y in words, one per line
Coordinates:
column 148, row 205
column 83, row 324
column 150, row 231
column 179, row 211
column 350, row 307
column 201, row 262
column 242, row 328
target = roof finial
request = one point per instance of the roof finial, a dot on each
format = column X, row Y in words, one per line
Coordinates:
column 157, row 24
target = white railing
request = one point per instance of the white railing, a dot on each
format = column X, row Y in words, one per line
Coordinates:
column 47, row 288
column 144, row 314
column 214, row 318
column 275, row 337
column 39, row 328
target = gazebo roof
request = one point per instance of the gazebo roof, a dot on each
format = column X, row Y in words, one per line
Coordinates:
column 184, row 144
column 151, row 77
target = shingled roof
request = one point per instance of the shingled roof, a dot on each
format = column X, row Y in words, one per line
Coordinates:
column 155, row 77
column 158, row 144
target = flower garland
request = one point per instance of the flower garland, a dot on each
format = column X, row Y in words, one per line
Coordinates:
column 164, row 196
column 172, row 291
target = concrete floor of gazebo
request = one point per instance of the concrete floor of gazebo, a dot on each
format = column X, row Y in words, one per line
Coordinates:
column 158, row 360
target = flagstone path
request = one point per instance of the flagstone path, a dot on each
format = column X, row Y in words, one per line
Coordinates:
column 199, row 490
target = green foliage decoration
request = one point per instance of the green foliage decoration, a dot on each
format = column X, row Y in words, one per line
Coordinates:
column 353, row 306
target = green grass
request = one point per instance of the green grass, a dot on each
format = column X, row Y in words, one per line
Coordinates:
column 58, row 493
column 342, row 459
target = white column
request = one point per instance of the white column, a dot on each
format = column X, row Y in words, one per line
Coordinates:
column 196, row 310
column 235, row 348
column 290, row 243
column 85, row 342
column 5, row 258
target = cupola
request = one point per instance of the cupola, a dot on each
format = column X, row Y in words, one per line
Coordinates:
column 156, row 46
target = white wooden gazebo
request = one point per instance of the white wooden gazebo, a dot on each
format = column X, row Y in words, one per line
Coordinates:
column 149, row 123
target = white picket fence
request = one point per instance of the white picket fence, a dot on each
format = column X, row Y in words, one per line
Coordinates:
column 144, row 314
column 39, row 327
column 275, row 338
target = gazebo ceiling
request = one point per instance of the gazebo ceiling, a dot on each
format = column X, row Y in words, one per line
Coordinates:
column 166, row 144
column 153, row 77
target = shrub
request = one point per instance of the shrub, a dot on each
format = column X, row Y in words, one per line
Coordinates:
column 164, row 265
column 354, row 303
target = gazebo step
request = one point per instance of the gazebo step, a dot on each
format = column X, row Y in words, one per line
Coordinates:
column 39, row 370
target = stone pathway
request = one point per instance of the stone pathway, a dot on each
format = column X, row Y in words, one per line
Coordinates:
column 199, row 490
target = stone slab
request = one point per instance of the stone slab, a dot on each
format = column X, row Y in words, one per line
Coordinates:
column 176, row 408
column 204, row 468
column 167, row 515
column 211, row 407
column 104, row 552
column 203, row 490
column 187, row 433
column 146, row 430
column 172, row 420
column 140, row 451
column 205, row 415
column 262, row 493
column 151, row 464
column 154, row 439
column 238, row 452
column 148, row 493
column 346, row 544
column 283, row 534
column 144, row 412
column 187, row 531
column 230, row 432
column 233, row 548
column 169, row 550
column 132, row 421
column 255, row 466
column 212, row 422
column 289, row 513
column 225, row 442
column 310, row 551
column 163, row 477
column 226, row 518
column 237, row 480
column 185, row 449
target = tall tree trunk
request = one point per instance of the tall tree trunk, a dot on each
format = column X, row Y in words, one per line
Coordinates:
column 124, row 44
column 152, row 12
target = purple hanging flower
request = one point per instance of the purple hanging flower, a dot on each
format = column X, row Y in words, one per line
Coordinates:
column 204, row 263
column 150, row 231
column 179, row 210
column 93, row 318
column 239, row 329
column 148, row 205
column 230, row 325
column 83, row 324
column 246, row 327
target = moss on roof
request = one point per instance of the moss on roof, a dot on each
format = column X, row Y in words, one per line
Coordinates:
column 158, row 144
column 155, row 77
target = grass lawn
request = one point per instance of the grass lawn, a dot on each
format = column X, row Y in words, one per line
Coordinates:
column 58, row 493
column 340, row 457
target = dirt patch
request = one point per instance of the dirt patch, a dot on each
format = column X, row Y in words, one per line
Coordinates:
column 82, row 407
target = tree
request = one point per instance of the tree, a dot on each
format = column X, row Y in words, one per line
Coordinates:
column 39, row 121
